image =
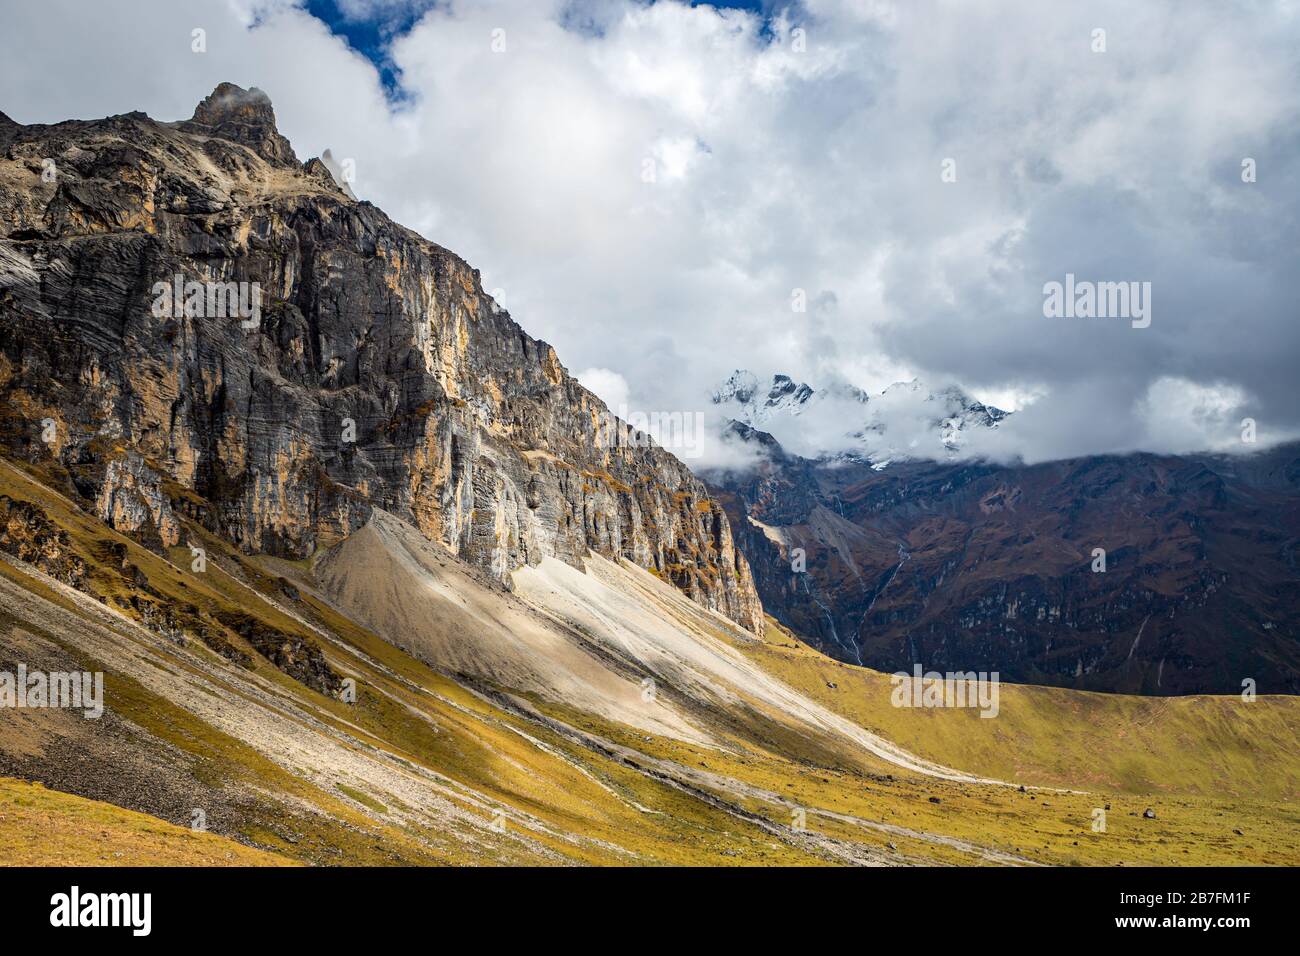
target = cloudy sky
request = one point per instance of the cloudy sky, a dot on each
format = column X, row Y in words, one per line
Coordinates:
column 655, row 188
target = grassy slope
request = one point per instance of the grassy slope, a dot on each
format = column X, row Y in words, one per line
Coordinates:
column 409, row 711
column 1047, row 827
column 579, row 804
column 48, row 828
column 1206, row 746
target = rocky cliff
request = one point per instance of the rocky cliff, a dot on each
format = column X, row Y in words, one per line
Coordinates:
column 193, row 321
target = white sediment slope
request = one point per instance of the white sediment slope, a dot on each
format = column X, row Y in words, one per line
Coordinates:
column 632, row 613
column 587, row 639
column 421, row 598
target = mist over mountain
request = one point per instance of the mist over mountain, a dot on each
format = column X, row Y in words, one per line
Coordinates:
column 905, row 420
column 1143, row 573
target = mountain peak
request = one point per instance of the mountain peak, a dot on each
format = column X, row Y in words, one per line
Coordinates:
column 230, row 102
column 739, row 386
column 243, row 116
column 907, row 419
column 758, row 402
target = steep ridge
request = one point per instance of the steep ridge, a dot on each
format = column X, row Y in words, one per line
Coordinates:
column 373, row 371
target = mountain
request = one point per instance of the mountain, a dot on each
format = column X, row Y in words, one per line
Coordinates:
column 969, row 565
column 373, row 372
column 593, row 716
column 842, row 422
column 369, row 579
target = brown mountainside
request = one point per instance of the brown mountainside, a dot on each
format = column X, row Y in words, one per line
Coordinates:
column 976, row 566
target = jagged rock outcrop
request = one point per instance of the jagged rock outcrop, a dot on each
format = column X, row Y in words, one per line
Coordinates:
column 193, row 322
column 242, row 116
column 28, row 535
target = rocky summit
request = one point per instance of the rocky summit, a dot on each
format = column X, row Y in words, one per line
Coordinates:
column 194, row 322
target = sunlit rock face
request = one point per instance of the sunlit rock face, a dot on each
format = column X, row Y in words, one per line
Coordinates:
column 193, row 321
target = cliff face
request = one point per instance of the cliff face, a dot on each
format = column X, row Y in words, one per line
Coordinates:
column 372, row 371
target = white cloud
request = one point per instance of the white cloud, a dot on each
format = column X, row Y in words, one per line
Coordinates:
column 778, row 169
column 610, row 387
column 1181, row 415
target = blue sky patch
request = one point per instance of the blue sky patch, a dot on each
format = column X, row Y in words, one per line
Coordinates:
column 372, row 36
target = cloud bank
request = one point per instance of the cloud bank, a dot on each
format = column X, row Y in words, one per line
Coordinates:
column 853, row 192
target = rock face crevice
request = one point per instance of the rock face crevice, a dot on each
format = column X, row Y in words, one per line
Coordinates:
column 375, row 370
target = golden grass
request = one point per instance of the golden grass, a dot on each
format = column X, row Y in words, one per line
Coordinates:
column 48, row 828
column 1208, row 765
column 1220, row 747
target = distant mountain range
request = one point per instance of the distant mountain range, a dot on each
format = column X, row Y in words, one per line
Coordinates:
column 958, row 564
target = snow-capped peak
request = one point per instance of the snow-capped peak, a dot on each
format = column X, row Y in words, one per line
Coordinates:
column 906, row 420
column 756, row 404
